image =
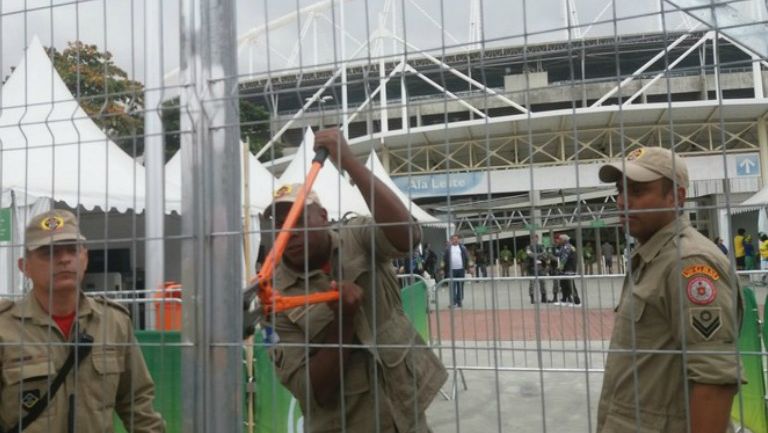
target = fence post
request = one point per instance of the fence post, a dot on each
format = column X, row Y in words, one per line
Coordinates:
column 211, row 263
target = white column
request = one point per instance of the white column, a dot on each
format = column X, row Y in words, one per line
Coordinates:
column 154, row 154
column 762, row 144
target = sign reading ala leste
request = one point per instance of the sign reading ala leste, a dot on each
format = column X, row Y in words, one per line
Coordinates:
column 431, row 185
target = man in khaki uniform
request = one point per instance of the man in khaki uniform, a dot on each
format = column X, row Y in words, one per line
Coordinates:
column 38, row 333
column 673, row 361
column 357, row 365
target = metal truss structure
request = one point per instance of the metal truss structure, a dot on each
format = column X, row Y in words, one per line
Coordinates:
column 557, row 147
column 559, row 211
column 447, row 129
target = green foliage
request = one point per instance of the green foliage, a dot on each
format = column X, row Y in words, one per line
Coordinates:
column 254, row 128
column 116, row 103
column 104, row 91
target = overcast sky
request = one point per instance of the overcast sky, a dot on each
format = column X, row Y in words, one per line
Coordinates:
column 118, row 26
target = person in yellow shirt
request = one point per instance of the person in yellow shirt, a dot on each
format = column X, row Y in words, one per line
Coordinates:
column 738, row 248
column 763, row 251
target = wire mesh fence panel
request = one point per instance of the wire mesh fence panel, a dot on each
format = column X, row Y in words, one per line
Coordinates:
column 383, row 215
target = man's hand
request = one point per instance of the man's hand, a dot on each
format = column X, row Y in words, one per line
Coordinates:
column 350, row 299
column 333, row 141
column 386, row 209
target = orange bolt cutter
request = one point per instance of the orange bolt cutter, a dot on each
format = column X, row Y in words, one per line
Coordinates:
column 270, row 300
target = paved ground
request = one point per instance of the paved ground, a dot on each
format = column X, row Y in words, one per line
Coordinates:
column 547, row 323
column 527, row 368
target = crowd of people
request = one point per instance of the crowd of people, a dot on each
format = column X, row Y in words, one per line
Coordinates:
column 744, row 250
column 426, row 262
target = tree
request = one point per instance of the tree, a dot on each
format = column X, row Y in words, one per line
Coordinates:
column 105, row 92
column 116, row 103
column 254, row 128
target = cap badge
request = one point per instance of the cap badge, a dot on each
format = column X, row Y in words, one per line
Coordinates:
column 52, row 223
column 635, row 154
column 283, row 191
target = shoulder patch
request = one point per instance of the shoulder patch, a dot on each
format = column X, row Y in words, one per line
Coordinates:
column 110, row 303
column 701, row 269
column 701, row 290
column 705, row 321
column 5, row 305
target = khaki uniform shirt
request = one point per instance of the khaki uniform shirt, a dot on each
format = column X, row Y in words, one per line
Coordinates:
column 679, row 304
column 113, row 378
column 391, row 379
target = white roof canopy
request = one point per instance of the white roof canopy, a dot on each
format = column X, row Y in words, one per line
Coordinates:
column 336, row 194
column 261, row 182
column 757, row 201
column 49, row 147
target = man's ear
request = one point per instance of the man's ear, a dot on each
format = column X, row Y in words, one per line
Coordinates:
column 681, row 193
column 22, row 264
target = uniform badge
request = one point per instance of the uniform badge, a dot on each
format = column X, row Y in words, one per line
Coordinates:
column 701, row 290
column 635, row 154
column 705, row 321
column 52, row 223
column 29, row 398
column 709, row 271
column 283, row 191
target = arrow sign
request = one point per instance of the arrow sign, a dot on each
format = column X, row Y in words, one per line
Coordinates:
column 747, row 165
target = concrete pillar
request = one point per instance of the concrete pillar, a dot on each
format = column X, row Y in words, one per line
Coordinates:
column 598, row 252
column 762, row 144
column 535, row 198
column 385, row 160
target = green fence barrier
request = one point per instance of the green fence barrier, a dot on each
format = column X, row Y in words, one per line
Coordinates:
column 753, row 393
column 415, row 306
column 275, row 410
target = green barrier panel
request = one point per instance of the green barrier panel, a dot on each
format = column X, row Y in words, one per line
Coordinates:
column 275, row 408
column 415, row 305
column 162, row 354
column 752, row 394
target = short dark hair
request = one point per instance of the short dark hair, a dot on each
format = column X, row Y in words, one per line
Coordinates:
column 741, row 231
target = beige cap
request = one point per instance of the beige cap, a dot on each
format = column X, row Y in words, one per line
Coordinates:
column 647, row 164
column 288, row 194
column 51, row 227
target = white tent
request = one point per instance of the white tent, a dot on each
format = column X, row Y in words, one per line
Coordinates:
column 380, row 172
column 261, row 183
column 51, row 148
column 337, row 195
column 756, row 201
column 260, row 180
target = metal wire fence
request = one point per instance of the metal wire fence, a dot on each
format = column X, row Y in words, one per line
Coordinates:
column 172, row 130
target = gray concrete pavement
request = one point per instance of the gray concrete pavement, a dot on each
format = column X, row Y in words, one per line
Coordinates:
column 535, row 385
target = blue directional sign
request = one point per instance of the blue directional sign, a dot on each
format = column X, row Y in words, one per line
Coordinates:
column 747, row 165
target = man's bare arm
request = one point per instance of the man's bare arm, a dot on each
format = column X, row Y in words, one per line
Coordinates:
column 710, row 407
column 386, row 208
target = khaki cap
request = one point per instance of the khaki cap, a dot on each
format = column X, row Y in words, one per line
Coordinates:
column 288, row 194
column 647, row 164
column 51, row 227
